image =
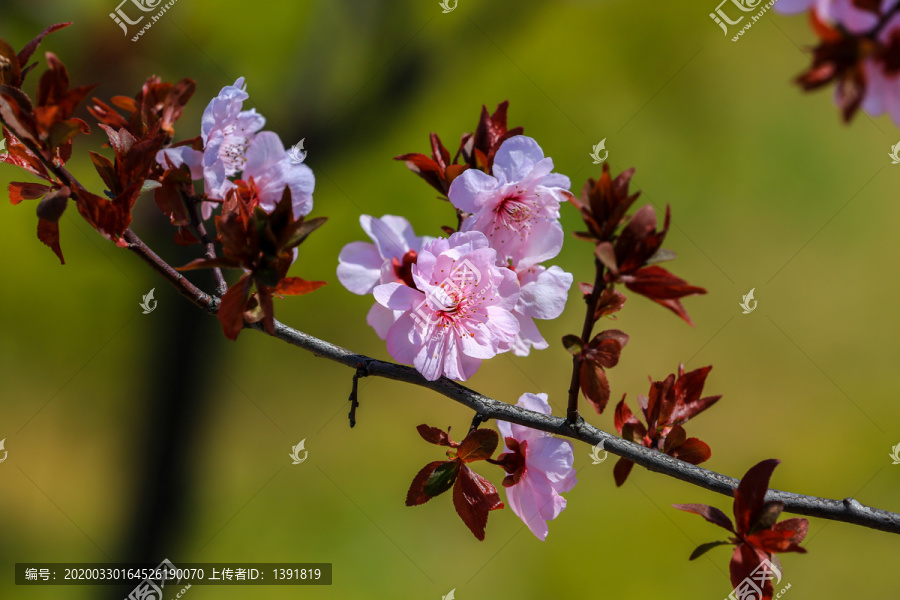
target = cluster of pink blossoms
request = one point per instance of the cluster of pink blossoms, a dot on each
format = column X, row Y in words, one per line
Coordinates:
column 446, row 304
column 235, row 149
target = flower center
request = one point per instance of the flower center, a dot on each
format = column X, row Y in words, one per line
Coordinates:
column 403, row 268
column 514, row 212
column 234, row 149
column 513, row 462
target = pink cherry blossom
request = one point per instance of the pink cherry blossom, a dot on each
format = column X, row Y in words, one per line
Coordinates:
column 543, row 295
column 517, row 207
column 835, row 12
column 271, row 169
column 227, row 132
column 362, row 265
column 458, row 314
column 540, row 469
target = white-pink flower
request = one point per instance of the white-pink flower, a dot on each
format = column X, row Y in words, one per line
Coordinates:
column 458, row 314
column 517, row 207
column 540, row 469
column 227, row 132
column 543, row 294
column 271, row 169
column 836, row 12
column 232, row 146
column 362, row 265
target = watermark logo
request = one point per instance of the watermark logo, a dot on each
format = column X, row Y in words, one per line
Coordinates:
column 151, row 588
column 894, row 150
column 296, row 450
column 745, row 304
column 3, row 441
column 595, row 454
column 445, row 4
column 297, row 154
column 895, row 456
column 751, row 588
column 445, row 297
column 449, row 595
column 121, row 18
column 723, row 19
column 596, row 153
column 148, row 298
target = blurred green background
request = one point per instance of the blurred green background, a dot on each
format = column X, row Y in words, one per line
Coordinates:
column 769, row 190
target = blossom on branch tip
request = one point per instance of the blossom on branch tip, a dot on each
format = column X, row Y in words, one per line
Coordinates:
column 458, row 314
column 517, row 206
column 539, row 468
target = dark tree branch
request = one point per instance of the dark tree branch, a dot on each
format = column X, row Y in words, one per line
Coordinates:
column 847, row 510
column 187, row 289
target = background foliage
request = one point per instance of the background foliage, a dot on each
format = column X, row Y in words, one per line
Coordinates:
column 768, row 190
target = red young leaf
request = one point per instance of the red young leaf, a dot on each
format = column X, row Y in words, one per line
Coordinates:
column 48, row 232
column 692, row 451
column 296, row 286
column 19, row 191
column 797, row 525
column 750, row 496
column 435, row 436
column 606, row 347
column 474, row 497
column 621, row 470
column 744, row 561
column 478, row 445
column 662, row 287
column 594, row 384
column 31, row 46
column 416, row 494
column 710, row 513
column 231, row 309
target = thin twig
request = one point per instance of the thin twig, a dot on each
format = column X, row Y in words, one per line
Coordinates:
column 187, row 289
column 197, row 224
column 586, row 330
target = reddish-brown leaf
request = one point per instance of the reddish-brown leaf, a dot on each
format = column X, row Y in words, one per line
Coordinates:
column 52, row 206
column 798, row 526
column 19, row 191
column 416, row 494
column 744, row 561
column 710, row 513
column 692, row 451
column 31, row 46
column 48, row 232
column 474, row 497
column 296, row 286
column 478, row 445
column 606, row 347
column 750, row 496
column 623, row 415
column 688, row 389
column 231, row 308
column 621, row 471
column 594, row 384
column 435, row 436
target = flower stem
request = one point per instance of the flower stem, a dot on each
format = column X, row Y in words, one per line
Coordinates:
column 587, row 329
